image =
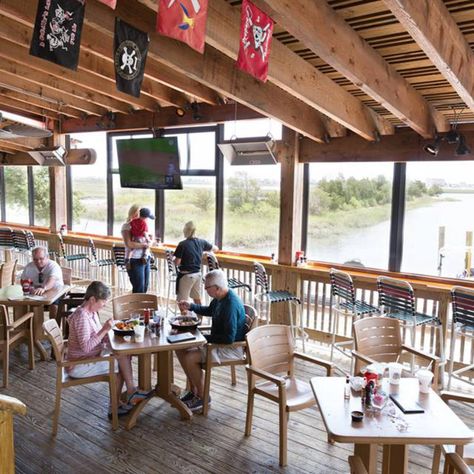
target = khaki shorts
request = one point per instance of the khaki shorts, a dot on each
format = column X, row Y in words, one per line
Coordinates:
column 82, row 371
column 222, row 354
column 190, row 286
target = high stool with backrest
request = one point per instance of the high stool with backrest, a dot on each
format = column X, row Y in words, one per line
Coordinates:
column 118, row 252
column 233, row 283
column 462, row 323
column 271, row 374
column 63, row 380
column 172, row 277
column 76, row 260
column 397, row 300
column 209, row 364
column 97, row 263
column 269, row 297
column 345, row 304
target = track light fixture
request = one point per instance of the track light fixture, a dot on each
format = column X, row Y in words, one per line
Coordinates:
column 180, row 112
column 462, row 149
column 433, row 148
column 452, row 137
column 196, row 113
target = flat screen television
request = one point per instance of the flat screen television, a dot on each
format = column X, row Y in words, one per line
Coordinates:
column 151, row 163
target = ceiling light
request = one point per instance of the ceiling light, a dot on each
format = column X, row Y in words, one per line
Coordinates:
column 197, row 116
column 180, row 112
column 452, row 137
column 433, row 148
column 462, row 149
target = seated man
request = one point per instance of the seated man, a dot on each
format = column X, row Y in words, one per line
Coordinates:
column 228, row 326
column 45, row 275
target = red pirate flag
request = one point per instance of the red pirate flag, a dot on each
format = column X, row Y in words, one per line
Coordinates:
column 256, row 29
column 184, row 20
column 110, row 3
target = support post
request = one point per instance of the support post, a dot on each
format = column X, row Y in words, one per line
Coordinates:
column 398, row 217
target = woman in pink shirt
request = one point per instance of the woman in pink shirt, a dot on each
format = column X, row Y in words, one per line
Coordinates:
column 88, row 338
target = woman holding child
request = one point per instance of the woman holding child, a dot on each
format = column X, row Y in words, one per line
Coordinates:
column 137, row 241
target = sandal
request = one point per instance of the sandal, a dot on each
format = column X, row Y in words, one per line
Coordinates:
column 137, row 397
column 122, row 410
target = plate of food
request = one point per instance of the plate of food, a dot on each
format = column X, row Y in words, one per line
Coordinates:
column 185, row 323
column 125, row 327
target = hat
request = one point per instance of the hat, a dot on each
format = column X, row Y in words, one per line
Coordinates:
column 145, row 212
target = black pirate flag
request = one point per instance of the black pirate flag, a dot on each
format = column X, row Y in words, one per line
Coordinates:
column 130, row 50
column 57, row 33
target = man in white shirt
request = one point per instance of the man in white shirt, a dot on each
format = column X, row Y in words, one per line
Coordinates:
column 45, row 275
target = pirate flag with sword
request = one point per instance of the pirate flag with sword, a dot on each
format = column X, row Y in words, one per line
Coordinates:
column 130, row 51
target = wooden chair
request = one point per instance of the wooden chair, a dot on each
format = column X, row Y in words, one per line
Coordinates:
column 9, row 406
column 172, row 277
column 64, row 381
column 13, row 333
column 468, row 449
column 356, row 465
column 251, row 319
column 7, row 273
column 379, row 339
column 455, row 464
column 125, row 305
column 271, row 358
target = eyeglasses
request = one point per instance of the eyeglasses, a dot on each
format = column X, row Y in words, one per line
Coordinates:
column 210, row 286
column 40, row 278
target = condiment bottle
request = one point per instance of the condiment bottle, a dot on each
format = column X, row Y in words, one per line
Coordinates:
column 347, row 388
column 369, row 390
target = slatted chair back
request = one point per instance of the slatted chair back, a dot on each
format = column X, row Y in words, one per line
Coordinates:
column 93, row 250
column 55, row 337
column 125, row 305
column 270, row 348
column 30, row 238
column 170, row 263
column 67, row 275
column 62, row 247
column 378, row 338
column 20, row 240
column 342, row 285
column 118, row 252
column 212, row 262
column 463, row 306
column 261, row 277
column 5, row 319
column 7, row 273
column 6, row 237
column 250, row 318
column 396, row 296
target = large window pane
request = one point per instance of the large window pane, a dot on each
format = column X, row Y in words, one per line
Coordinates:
column 195, row 202
column 439, row 199
column 251, row 208
column 41, row 185
column 349, row 213
column 126, row 197
column 202, row 150
column 16, row 194
column 89, row 186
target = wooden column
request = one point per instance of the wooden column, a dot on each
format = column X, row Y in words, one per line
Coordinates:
column 57, row 191
column 291, row 217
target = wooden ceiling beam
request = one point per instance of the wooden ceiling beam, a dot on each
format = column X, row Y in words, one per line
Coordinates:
column 295, row 75
column 165, row 117
column 405, row 145
column 213, row 69
column 444, row 44
column 21, row 107
column 326, row 33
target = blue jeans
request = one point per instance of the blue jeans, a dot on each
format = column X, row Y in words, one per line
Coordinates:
column 139, row 275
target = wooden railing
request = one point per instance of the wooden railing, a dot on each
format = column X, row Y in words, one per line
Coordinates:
column 311, row 284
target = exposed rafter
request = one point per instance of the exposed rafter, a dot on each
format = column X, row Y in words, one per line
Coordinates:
column 444, row 45
column 327, row 34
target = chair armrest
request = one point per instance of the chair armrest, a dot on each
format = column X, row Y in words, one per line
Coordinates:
column 205, row 327
column 280, row 381
column 422, row 355
column 456, row 461
column 90, row 360
column 21, row 320
column 363, row 357
column 214, row 345
column 315, row 360
column 357, row 466
column 458, row 397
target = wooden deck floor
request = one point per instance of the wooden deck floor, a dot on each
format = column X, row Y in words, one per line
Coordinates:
column 161, row 442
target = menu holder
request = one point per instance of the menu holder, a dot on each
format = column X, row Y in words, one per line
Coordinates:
column 184, row 336
column 407, row 405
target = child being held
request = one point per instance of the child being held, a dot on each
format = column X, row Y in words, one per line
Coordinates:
column 139, row 230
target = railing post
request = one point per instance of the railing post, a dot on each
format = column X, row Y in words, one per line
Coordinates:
column 8, row 407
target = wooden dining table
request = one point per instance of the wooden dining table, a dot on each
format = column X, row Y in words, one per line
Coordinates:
column 437, row 425
column 37, row 305
column 159, row 345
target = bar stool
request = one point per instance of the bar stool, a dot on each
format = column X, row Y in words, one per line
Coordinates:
column 345, row 304
column 234, row 284
column 172, row 277
column 462, row 323
column 76, row 260
column 118, row 252
column 97, row 263
column 397, row 300
column 269, row 297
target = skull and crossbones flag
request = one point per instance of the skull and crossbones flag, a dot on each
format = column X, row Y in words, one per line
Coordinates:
column 57, row 32
column 130, row 51
column 110, row 3
column 184, row 20
column 256, row 29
